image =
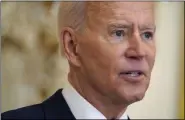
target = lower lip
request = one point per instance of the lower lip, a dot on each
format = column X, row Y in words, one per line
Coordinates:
column 131, row 78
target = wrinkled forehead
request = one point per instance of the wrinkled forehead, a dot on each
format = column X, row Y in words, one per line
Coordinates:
column 103, row 8
column 102, row 13
column 133, row 6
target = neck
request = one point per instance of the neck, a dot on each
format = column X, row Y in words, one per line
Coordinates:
column 99, row 101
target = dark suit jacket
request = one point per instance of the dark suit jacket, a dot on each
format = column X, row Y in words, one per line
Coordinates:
column 53, row 108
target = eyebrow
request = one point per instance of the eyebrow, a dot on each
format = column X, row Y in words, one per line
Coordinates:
column 117, row 25
column 148, row 27
column 130, row 26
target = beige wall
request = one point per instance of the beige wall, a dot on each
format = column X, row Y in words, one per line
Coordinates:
column 162, row 98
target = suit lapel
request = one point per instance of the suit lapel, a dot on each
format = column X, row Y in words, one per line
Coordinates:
column 128, row 118
column 56, row 107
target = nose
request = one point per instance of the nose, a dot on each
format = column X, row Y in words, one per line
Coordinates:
column 136, row 48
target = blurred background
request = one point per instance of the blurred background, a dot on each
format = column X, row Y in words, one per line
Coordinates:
column 32, row 67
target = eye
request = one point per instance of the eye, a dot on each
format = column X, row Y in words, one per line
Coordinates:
column 147, row 36
column 119, row 33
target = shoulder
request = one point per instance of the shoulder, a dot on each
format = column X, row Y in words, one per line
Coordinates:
column 29, row 112
column 55, row 107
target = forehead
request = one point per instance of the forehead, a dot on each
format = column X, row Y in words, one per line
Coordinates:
column 140, row 12
column 133, row 6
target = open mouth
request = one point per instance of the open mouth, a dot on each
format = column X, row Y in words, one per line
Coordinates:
column 133, row 76
column 132, row 73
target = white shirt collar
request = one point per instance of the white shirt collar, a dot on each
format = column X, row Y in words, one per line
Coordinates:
column 80, row 107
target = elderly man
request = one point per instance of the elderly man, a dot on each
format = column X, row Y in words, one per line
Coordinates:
column 110, row 49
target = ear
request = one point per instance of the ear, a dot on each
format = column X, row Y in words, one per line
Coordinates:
column 69, row 43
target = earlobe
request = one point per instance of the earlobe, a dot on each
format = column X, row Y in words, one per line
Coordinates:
column 69, row 44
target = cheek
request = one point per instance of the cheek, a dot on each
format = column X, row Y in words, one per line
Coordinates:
column 151, row 53
column 95, row 54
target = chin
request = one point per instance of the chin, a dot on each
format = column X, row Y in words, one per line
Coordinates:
column 131, row 95
column 133, row 98
column 129, row 92
column 138, row 97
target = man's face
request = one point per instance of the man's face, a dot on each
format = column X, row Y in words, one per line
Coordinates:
column 117, row 49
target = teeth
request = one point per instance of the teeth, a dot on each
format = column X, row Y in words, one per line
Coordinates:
column 134, row 74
